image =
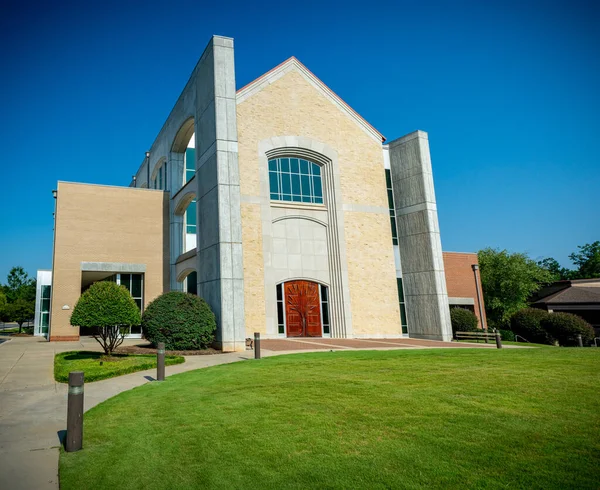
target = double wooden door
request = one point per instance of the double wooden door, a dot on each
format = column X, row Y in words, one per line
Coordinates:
column 302, row 309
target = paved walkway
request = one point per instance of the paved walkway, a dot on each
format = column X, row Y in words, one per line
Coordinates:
column 33, row 406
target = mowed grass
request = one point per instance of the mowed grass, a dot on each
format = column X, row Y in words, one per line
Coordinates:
column 462, row 418
column 96, row 367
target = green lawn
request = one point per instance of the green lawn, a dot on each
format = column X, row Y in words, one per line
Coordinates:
column 462, row 418
column 96, row 367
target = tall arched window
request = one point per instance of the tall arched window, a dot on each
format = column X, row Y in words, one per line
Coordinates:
column 295, row 180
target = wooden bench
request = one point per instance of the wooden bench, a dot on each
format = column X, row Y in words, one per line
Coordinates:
column 483, row 335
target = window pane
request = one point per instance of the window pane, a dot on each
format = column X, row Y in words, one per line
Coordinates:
column 273, row 165
column 325, row 314
column 192, row 283
column 275, row 197
column 281, row 329
column 190, row 159
column 306, row 199
column 286, row 197
column 294, row 166
column 318, row 191
column 326, row 329
column 126, row 281
column 394, row 231
column 403, row 314
column 404, row 329
column 324, row 293
column 138, row 302
column 390, row 199
column 45, row 319
column 45, row 304
column 400, row 290
column 136, row 285
column 296, row 185
column 304, row 166
column 280, row 312
column 318, row 200
column 316, row 170
column 305, row 181
column 273, row 182
column 190, row 214
column 286, row 187
column 279, row 293
column 285, row 164
column 388, row 178
column 296, row 198
column 45, row 291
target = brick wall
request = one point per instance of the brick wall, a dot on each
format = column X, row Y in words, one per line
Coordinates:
column 96, row 223
column 460, row 278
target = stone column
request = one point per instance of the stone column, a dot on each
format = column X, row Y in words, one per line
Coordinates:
column 219, row 239
column 424, row 282
column 175, row 168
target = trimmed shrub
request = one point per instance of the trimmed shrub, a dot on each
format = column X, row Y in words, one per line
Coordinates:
column 528, row 324
column 507, row 335
column 463, row 320
column 181, row 320
column 104, row 308
column 565, row 327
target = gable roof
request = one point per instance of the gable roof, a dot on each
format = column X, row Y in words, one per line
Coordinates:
column 293, row 64
column 573, row 295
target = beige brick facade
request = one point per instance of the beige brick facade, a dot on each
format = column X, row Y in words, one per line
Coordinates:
column 292, row 106
column 97, row 223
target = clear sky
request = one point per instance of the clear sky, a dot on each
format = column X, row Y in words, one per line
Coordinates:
column 509, row 93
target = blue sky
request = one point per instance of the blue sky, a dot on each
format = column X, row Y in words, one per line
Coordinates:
column 507, row 92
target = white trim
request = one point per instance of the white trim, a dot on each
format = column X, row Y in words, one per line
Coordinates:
column 293, row 64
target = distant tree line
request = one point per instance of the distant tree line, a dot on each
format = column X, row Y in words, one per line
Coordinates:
column 17, row 297
column 509, row 279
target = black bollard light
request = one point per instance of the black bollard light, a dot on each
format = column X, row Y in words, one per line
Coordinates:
column 498, row 340
column 256, row 345
column 160, row 362
column 74, row 440
column 579, row 340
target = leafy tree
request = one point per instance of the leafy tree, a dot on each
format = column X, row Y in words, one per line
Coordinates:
column 19, row 285
column 558, row 273
column 3, row 306
column 587, row 259
column 21, row 311
column 106, row 307
column 507, row 280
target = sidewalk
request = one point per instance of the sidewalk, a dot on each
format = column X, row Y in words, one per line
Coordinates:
column 33, row 407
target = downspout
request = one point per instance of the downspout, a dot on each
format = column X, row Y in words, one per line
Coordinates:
column 475, row 268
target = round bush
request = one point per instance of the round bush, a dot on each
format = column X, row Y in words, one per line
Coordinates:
column 528, row 324
column 181, row 320
column 507, row 335
column 463, row 320
column 565, row 327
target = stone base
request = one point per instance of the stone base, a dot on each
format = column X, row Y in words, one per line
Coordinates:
column 440, row 338
column 231, row 346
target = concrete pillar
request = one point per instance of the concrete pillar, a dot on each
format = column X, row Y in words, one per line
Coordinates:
column 423, row 278
column 175, row 169
column 219, row 232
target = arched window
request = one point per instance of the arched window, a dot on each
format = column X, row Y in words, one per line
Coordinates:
column 295, row 180
column 160, row 179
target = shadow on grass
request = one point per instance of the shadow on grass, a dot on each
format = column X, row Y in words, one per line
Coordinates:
column 89, row 355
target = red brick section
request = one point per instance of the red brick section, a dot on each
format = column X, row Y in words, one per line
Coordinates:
column 460, row 278
column 329, row 344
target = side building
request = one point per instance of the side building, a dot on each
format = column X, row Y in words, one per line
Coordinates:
column 278, row 204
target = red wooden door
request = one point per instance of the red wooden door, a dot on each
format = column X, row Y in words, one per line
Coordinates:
column 302, row 309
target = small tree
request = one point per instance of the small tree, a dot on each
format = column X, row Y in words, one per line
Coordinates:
column 21, row 311
column 106, row 307
column 587, row 259
column 508, row 280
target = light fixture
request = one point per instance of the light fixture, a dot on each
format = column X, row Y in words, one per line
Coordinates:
column 54, row 193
